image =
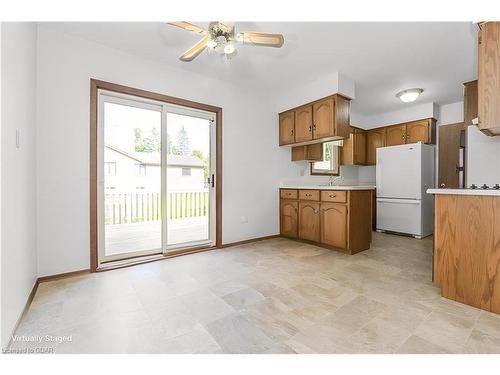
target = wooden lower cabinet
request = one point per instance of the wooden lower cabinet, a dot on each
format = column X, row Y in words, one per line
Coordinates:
column 334, row 224
column 289, row 218
column 467, row 249
column 309, row 221
column 338, row 219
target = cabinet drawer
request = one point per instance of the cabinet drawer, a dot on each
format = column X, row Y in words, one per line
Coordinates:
column 334, row 196
column 309, row 195
column 288, row 193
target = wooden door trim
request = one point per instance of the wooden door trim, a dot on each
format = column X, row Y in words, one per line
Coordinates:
column 95, row 85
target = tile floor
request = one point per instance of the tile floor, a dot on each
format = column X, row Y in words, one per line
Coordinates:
column 274, row 296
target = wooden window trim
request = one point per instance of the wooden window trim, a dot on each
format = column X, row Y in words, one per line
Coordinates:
column 95, row 85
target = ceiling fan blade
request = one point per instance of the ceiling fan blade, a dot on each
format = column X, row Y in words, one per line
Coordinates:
column 195, row 50
column 189, row 27
column 263, row 39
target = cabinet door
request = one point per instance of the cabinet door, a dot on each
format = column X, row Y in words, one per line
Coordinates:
column 323, row 123
column 489, row 78
column 303, row 124
column 418, row 131
column 309, row 221
column 359, row 149
column 395, row 135
column 347, row 151
column 334, row 225
column 375, row 138
column 287, row 125
column 288, row 218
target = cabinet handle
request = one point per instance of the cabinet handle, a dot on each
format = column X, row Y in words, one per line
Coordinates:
column 332, row 196
column 309, row 128
column 291, row 132
column 314, row 126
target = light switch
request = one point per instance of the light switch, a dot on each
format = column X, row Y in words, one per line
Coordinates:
column 244, row 219
column 18, row 138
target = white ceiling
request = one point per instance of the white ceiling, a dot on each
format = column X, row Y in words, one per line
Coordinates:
column 382, row 58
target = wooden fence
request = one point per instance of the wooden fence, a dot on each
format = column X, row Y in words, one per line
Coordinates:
column 122, row 208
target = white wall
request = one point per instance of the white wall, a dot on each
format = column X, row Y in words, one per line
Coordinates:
column 450, row 113
column 65, row 66
column 483, row 158
column 18, row 171
column 325, row 85
column 410, row 113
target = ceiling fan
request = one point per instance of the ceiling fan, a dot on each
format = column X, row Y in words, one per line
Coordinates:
column 221, row 37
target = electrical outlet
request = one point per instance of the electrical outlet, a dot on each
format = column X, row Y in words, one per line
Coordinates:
column 302, row 172
column 244, row 219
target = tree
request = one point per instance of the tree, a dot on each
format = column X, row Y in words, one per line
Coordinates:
column 139, row 142
column 198, row 154
column 152, row 142
column 183, row 142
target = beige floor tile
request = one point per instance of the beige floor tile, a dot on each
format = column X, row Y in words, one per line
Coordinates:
column 274, row 296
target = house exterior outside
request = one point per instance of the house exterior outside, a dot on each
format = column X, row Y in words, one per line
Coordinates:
column 126, row 172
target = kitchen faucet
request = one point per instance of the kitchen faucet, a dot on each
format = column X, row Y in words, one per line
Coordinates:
column 332, row 180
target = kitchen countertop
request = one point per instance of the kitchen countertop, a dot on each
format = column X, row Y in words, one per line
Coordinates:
column 489, row 192
column 334, row 187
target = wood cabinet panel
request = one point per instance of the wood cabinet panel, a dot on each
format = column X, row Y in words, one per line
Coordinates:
column 303, row 124
column 470, row 102
column 489, row 78
column 353, row 151
column 289, row 218
column 375, row 138
column 287, row 127
column 312, row 152
column 289, row 193
column 309, row 221
column 467, row 249
column 420, row 131
column 337, row 196
column 395, row 135
column 342, row 116
column 449, row 152
column 323, row 120
column 334, row 225
column 309, row 195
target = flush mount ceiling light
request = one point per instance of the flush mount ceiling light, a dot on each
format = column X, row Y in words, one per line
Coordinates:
column 221, row 37
column 409, row 95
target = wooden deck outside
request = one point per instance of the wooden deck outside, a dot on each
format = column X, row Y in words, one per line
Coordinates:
column 126, row 238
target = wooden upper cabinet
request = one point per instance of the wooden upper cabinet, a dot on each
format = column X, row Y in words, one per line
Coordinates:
column 312, row 152
column 470, row 102
column 323, row 118
column 289, row 218
column 287, row 127
column 321, row 121
column 309, row 221
column 375, row 138
column 334, row 224
column 303, row 123
column 421, row 131
column 489, row 78
column 354, row 148
column 395, row 135
column 342, row 116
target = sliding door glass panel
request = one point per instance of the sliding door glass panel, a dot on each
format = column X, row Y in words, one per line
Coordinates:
column 189, row 184
column 132, row 166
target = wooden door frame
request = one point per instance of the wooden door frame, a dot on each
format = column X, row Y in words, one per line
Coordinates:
column 96, row 85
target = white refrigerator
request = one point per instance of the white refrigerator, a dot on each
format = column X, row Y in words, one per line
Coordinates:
column 403, row 174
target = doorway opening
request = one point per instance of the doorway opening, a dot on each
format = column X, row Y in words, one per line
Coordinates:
column 156, row 166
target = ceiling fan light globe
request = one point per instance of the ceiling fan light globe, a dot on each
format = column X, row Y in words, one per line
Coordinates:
column 229, row 48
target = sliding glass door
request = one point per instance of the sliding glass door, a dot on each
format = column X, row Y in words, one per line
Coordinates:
column 155, row 177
